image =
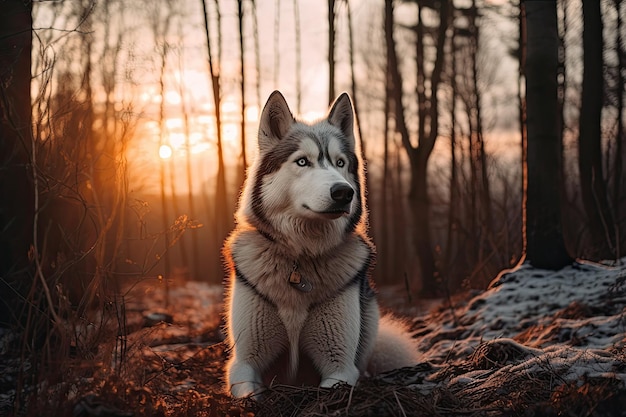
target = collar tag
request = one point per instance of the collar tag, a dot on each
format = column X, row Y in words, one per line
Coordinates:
column 298, row 282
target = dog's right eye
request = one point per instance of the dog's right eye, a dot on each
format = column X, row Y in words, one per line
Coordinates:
column 302, row 162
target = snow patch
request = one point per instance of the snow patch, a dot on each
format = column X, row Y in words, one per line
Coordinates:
column 568, row 324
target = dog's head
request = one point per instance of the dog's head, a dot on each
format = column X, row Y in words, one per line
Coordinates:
column 306, row 173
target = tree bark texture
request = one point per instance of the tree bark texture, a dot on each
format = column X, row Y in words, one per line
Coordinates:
column 592, row 182
column 331, row 51
column 16, row 186
column 545, row 244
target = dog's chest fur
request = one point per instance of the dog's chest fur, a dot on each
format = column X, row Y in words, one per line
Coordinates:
column 267, row 266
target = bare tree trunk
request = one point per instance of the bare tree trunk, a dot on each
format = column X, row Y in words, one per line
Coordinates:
column 452, row 211
column 521, row 59
column 182, row 244
column 16, row 212
column 193, row 265
column 331, row 51
column 419, row 190
column 485, row 194
column 399, row 213
column 561, row 73
column 222, row 221
column 545, row 245
column 420, row 85
column 244, row 163
column 384, row 241
column 474, row 185
column 419, row 155
column 162, row 142
column 394, row 89
column 296, row 18
column 106, row 185
column 257, row 53
column 592, row 181
column 355, row 100
column 620, row 137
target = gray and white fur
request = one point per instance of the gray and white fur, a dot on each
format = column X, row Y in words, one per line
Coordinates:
column 301, row 307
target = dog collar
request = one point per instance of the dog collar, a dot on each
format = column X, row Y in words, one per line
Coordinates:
column 297, row 281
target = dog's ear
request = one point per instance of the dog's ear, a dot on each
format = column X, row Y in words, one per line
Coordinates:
column 276, row 120
column 341, row 115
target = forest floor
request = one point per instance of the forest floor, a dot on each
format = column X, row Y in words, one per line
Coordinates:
column 535, row 343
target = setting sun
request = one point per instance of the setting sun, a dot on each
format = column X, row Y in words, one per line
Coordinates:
column 165, row 152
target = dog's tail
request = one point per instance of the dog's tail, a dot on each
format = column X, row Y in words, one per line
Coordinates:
column 394, row 348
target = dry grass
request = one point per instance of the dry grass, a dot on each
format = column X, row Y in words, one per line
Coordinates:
column 185, row 378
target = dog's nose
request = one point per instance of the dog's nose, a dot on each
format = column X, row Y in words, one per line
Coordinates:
column 341, row 193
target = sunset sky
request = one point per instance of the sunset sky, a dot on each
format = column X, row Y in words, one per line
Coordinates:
column 186, row 83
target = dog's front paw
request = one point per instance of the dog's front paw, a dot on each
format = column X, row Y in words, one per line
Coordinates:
column 246, row 389
column 348, row 376
column 243, row 379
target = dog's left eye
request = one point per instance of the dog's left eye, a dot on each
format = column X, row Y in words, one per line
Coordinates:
column 302, row 162
column 341, row 163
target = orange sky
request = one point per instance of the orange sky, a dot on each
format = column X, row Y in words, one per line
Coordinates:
column 186, row 82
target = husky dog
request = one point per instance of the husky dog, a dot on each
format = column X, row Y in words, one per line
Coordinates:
column 301, row 308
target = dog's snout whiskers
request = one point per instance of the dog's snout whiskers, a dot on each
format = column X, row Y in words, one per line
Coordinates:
column 342, row 193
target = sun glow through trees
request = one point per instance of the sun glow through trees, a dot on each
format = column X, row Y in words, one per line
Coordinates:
column 165, row 152
column 181, row 129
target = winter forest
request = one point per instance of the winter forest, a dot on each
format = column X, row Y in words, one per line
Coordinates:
column 493, row 133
